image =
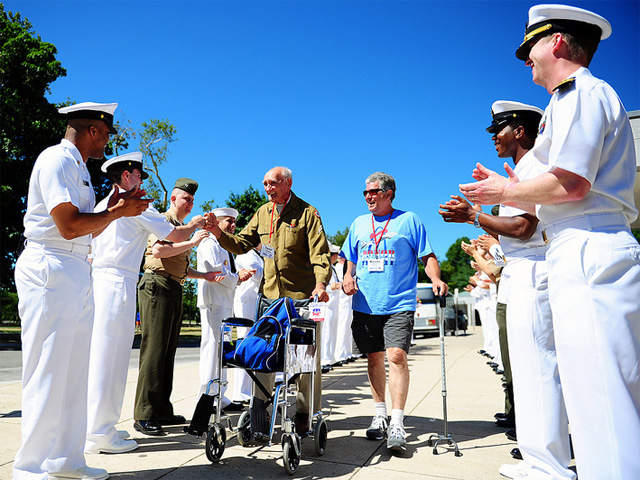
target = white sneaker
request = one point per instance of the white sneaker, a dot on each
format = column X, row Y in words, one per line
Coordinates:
column 396, row 436
column 86, row 473
column 514, row 470
column 123, row 434
column 119, row 445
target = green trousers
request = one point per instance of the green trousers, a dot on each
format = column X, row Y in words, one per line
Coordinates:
column 501, row 318
column 160, row 301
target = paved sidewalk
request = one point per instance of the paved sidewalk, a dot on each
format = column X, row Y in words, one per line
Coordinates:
column 474, row 395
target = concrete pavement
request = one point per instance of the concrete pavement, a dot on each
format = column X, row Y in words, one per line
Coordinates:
column 474, row 395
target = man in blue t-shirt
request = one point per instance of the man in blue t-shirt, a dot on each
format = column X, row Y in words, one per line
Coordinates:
column 382, row 251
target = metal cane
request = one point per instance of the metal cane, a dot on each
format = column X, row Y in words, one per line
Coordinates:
column 444, row 438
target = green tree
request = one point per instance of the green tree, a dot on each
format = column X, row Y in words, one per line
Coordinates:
column 28, row 124
column 456, row 269
column 246, row 203
column 155, row 137
column 339, row 237
column 208, row 205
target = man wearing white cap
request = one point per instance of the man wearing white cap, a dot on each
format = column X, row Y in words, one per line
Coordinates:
column 117, row 253
column 53, row 279
column 215, row 299
column 585, row 200
column 543, row 435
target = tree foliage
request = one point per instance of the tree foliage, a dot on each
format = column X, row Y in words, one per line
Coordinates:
column 456, row 269
column 28, row 124
column 339, row 237
column 246, row 203
column 155, row 137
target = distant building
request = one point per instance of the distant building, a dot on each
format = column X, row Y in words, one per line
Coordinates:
column 634, row 116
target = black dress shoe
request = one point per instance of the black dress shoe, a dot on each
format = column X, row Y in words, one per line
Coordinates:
column 500, row 416
column 515, row 453
column 172, row 420
column 148, row 427
column 506, row 422
column 234, row 407
column 326, row 368
column 511, row 435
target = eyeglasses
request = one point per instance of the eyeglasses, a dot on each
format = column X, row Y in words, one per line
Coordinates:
column 373, row 191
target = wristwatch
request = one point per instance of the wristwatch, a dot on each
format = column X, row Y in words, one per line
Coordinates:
column 476, row 221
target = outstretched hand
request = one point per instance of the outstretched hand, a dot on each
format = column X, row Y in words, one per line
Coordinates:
column 130, row 203
column 458, row 210
column 490, row 186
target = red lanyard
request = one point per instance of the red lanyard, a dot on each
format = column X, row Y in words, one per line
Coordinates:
column 273, row 210
column 377, row 241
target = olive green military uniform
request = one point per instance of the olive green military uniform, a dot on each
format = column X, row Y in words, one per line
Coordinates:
column 301, row 259
column 160, row 301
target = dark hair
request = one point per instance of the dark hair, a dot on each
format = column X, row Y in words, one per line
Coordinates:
column 115, row 174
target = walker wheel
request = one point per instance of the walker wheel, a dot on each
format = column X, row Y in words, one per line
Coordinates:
column 320, row 436
column 215, row 443
column 244, row 429
column 290, row 458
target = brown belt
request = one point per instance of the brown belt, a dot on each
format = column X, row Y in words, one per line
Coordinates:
column 166, row 275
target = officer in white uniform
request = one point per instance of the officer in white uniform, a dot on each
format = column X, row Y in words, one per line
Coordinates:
column 117, row 254
column 53, row 279
column 331, row 321
column 345, row 314
column 245, row 305
column 215, row 299
column 585, row 200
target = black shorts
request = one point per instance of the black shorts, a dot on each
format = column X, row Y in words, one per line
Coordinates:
column 376, row 333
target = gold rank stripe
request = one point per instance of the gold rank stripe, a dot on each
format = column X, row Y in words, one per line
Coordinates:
column 533, row 33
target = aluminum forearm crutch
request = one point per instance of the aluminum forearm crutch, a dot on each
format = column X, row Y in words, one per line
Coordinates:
column 445, row 438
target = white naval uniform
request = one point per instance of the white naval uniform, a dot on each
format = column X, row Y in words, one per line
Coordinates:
column 215, row 300
column 53, row 280
column 245, row 305
column 330, row 324
column 541, row 421
column 594, row 276
column 117, row 253
column 486, row 299
column 344, row 343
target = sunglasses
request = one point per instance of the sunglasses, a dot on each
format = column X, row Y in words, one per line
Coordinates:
column 373, row 191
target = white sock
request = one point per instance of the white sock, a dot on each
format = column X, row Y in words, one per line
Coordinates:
column 397, row 416
column 381, row 409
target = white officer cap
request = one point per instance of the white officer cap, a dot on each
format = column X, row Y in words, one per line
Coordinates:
column 93, row 111
column 544, row 20
column 507, row 111
column 225, row 212
column 132, row 160
column 334, row 248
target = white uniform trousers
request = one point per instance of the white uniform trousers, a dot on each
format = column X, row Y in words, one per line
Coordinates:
column 345, row 338
column 541, row 422
column 487, row 309
column 210, row 321
column 594, row 290
column 240, row 381
column 56, row 310
column 114, row 297
column 330, row 330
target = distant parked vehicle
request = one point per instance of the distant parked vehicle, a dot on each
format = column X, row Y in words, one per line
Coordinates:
column 425, row 319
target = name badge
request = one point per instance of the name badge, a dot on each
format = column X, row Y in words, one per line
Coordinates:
column 317, row 311
column 376, row 265
column 267, row 251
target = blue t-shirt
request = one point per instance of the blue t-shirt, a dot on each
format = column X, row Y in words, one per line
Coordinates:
column 404, row 240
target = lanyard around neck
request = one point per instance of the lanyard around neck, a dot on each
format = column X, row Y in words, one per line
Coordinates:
column 376, row 240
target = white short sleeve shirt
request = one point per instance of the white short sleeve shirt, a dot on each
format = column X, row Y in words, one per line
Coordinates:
column 122, row 244
column 585, row 130
column 59, row 176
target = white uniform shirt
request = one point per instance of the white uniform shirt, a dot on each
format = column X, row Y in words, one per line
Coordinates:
column 212, row 257
column 59, row 176
column 526, row 168
column 246, row 296
column 121, row 245
column 585, row 130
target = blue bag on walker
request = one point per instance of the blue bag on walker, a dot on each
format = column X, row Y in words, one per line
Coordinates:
column 262, row 348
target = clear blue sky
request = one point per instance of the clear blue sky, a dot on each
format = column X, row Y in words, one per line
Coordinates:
column 334, row 90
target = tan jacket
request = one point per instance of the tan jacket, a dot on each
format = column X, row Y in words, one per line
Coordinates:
column 301, row 256
column 176, row 266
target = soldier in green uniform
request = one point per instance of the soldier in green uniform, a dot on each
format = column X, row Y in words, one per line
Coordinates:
column 296, row 265
column 166, row 265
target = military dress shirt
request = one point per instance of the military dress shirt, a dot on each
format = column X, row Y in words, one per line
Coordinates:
column 301, row 251
column 176, row 266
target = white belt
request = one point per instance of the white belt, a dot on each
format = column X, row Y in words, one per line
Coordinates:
column 67, row 246
column 586, row 222
column 537, row 251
